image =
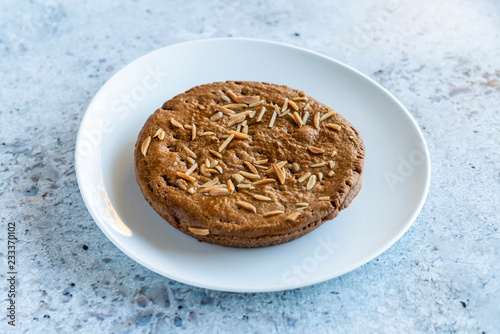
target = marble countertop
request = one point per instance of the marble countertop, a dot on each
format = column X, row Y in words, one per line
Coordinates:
column 440, row 59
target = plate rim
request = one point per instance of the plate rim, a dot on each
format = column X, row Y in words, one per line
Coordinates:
column 262, row 288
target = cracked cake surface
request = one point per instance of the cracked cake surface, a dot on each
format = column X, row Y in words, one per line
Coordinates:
column 247, row 164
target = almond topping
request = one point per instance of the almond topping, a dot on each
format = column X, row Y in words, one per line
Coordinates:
column 238, row 135
column 250, row 175
column 273, row 119
column 182, row 184
column 293, row 216
column 237, row 119
column 331, row 173
column 305, row 118
column 316, row 120
column 296, row 167
column 273, row 213
column 265, row 181
column 293, row 105
column 215, row 117
column 191, row 191
column 220, row 192
column 324, row 198
column 261, row 167
column 279, row 173
column 239, row 178
column 284, row 113
column 157, row 133
column 302, row 204
column 332, row 164
column 235, row 106
column 320, row 164
column 215, row 186
column 300, row 99
column 261, row 114
column 225, row 143
column 277, row 109
column 213, row 163
column 249, row 99
column 206, row 133
column 145, row 145
column 189, row 152
column 186, row 177
column 316, row 150
column 297, row 118
column 285, row 104
column 217, row 154
column 245, row 185
column 188, row 126
column 245, row 129
column 199, row 231
column 304, row 177
column 246, row 113
column 233, row 96
column 251, row 168
column 260, row 162
column 230, row 186
column 256, row 104
column 307, row 107
column 192, row 169
column 320, row 176
column 191, row 160
column 225, row 98
column 311, row 183
column 176, row 124
column 193, row 132
column 203, row 170
column 262, row 198
column 334, row 126
column 327, row 115
column 252, row 113
column 224, row 110
column 219, row 168
column 210, row 183
column 247, row 206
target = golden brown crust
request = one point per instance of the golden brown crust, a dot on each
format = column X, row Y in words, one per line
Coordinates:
column 230, row 224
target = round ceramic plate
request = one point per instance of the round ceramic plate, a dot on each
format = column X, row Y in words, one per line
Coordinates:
column 395, row 180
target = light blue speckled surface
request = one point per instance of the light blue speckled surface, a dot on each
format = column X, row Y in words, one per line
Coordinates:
column 440, row 59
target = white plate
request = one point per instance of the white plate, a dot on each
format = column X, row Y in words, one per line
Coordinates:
column 395, row 182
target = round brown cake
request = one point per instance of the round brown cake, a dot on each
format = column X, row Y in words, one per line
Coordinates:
column 247, row 164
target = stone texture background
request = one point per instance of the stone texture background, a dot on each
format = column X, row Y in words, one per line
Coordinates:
column 440, row 59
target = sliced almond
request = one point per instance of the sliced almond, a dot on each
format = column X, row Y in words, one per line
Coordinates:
column 176, row 124
column 191, row 191
column 261, row 114
column 261, row 167
column 248, row 99
column 273, row 119
column 262, row 198
column 327, row 115
column 260, row 162
column 245, row 129
column 284, row 113
column 238, row 177
column 279, row 173
column 311, row 183
column 247, row 206
column 215, row 186
column 273, row 213
column 324, row 198
column 237, row 119
column 302, row 204
column 250, row 175
column 145, row 145
column 203, row 170
column 218, row 168
column 296, row 167
column 320, row 176
column 334, row 126
column 182, row 184
column 233, row 96
column 265, row 181
column 193, row 132
column 315, row 150
column 255, row 104
column 316, row 120
column 220, row 192
column 297, row 118
column 277, row 109
column 304, row 177
column 230, row 186
column 225, row 98
column 285, row 104
column 238, row 135
column 293, row 105
column 214, row 163
column 224, row 110
column 235, row 106
column 192, row 169
column 246, row 113
column 252, row 113
column 225, row 143
column 186, row 177
column 215, row 117
column 188, row 126
column 245, row 185
column 307, row 107
column 305, row 118
column 293, row 216
column 189, row 152
column 199, row 231
column 191, row 160
column 331, row 173
column 215, row 153
column 320, row 164
column 331, row 164
column 251, row 168
column 210, row 183
column 157, row 133
column 300, row 99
